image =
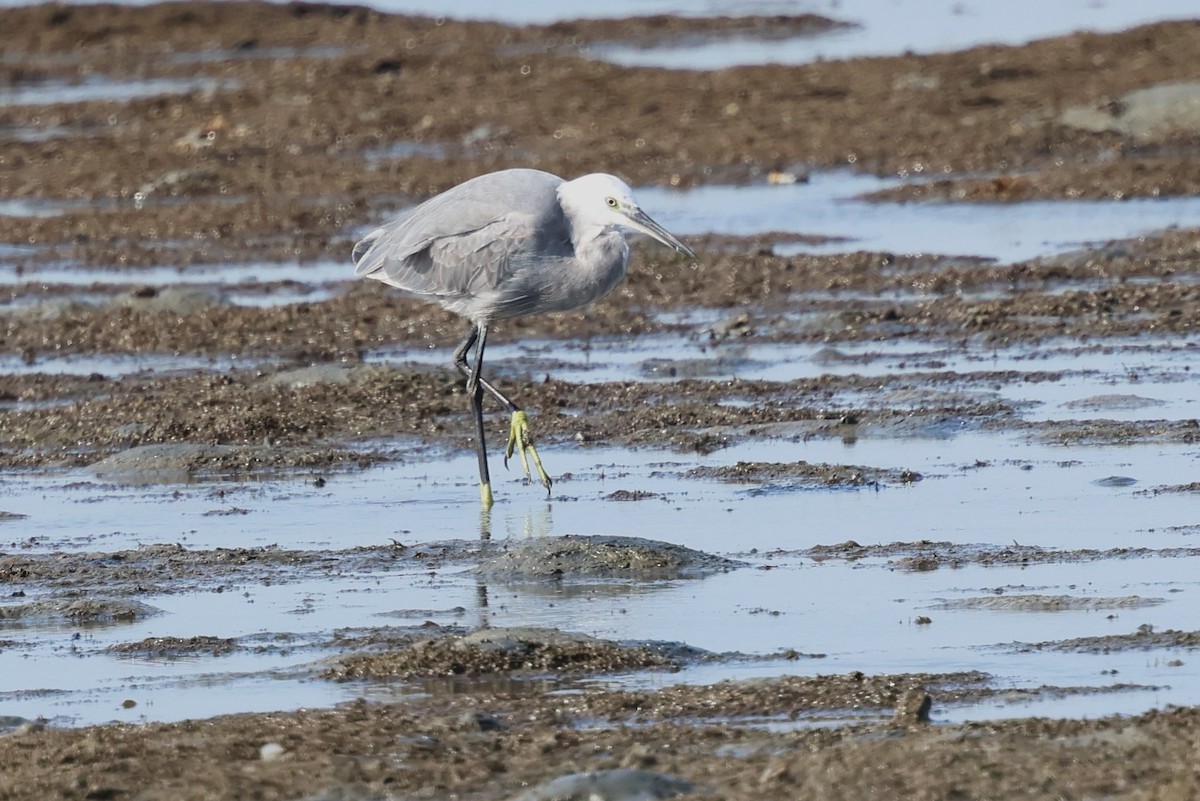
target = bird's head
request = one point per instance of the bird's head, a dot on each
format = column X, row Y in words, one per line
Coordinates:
column 606, row 201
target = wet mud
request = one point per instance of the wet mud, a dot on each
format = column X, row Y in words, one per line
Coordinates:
column 152, row 354
column 504, row 651
column 457, row 745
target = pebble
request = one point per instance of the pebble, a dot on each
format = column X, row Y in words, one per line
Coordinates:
column 270, row 752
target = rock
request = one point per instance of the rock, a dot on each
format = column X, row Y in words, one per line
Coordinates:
column 717, row 366
column 1049, row 603
column 776, row 772
column 180, row 182
column 601, row 556
column 11, row 725
column 479, row 721
column 518, row 638
column 608, row 785
column 731, row 327
column 498, row 651
column 167, row 647
column 91, row 610
column 1144, row 113
column 269, row 752
column 165, row 462
column 345, row 792
column 1115, row 481
column 913, row 707
column 181, row 461
column 1115, row 402
column 175, row 299
column 329, row 373
column 831, row 355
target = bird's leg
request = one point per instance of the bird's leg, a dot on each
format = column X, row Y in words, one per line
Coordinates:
column 473, row 376
column 460, row 358
column 518, row 432
column 485, row 481
column 475, row 390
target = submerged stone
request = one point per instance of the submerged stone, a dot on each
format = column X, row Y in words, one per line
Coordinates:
column 91, row 610
column 624, row 784
column 1114, row 402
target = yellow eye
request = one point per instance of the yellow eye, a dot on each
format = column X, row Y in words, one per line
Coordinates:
column 612, row 202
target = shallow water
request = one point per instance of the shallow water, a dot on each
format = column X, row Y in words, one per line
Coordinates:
column 828, row 205
column 888, row 26
column 894, row 27
column 113, row 365
column 993, row 489
column 1157, row 378
column 313, row 273
column 103, row 89
column 859, row 614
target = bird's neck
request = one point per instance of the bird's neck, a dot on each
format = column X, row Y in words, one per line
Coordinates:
column 601, row 255
column 599, row 245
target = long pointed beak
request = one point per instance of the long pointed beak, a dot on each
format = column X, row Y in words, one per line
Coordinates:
column 641, row 222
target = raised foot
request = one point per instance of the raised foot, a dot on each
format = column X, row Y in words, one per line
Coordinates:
column 520, row 440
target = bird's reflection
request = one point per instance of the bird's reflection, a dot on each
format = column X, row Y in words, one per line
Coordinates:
column 536, row 521
column 485, row 523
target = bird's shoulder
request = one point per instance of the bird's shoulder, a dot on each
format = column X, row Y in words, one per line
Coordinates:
column 472, row 237
column 503, row 208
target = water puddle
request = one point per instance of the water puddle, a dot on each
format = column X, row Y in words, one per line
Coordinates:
column 38, row 207
column 98, row 89
column 33, row 134
column 115, row 365
column 859, row 614
column 884, row 27
column 531, row 12
column 889, row 26
column 315, row 273
column 257, row 284
column 1116, row 380
column 895, row 27
column 829, row 206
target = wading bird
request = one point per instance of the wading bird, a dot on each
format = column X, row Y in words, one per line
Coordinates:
column 505, row 245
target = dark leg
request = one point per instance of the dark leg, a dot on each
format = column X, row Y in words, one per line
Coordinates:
column 475, row 388
column 485, row 481
column 473, row 376
column 518, row 437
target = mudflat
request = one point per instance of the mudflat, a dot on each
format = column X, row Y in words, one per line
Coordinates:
column 179, row 183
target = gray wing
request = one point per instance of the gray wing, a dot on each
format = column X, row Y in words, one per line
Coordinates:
column 467, row 242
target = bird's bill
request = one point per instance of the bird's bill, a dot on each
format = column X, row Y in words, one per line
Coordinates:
column 641, row 222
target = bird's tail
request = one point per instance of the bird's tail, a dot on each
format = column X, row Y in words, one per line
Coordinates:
column 364, row 245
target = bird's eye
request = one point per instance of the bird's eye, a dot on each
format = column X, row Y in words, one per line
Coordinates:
column 612, row 202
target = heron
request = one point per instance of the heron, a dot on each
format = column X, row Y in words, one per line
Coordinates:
column 504, row 245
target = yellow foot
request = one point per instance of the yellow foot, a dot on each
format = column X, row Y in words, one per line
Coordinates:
column 519, row 440
column 485, row 495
